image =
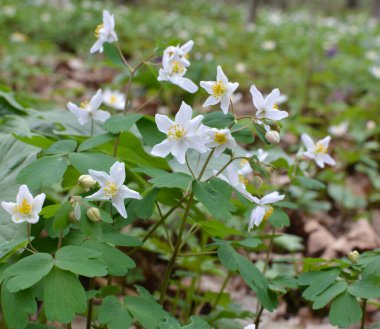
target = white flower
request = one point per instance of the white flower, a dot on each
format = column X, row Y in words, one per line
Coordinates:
column 339, row 130
column 262, row 155
column 104, row 32
column 250, row 326
column 89, row 110
column 236, row 180
column 318, row 151
column 220, row 139
column 182, row 134
column 263, row 211
column 220, row 90
column 244, row 163
column 114, row 99
column 26, row 208
column 112, row 188
column 375, row 71
column 174, row 67
column 267, row 108
column 268, row 45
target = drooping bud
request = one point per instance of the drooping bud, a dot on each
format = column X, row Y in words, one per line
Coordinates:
column 353, row 256
column 272, row 137
column 94, row 214
column 72, row 218
column 86, row 181
column 257, row 181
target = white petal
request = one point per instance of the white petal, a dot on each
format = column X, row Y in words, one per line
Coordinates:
column 328, row 159
column 23, row 193
column 185, row 84
column 271, row 99
column 117, row 173
column 96, row 101
column 275, row 114
column 101, row 115
column 17, row 219
column 38, row 202
column 82, row 115
column 98, row 46
column 127, row 193
column 162, row 149
column 163, row 123
column 232, row 174
column 162, row 76
column 99, row 195
column 219, row 150
column 180, row 152
column 32, row 219
column 308, row 142
column 232, row 86
column 193, row 125
column 257, row 97
column 100, row 176
column 184, row 113
column 9, row 207
column 224, row 105
column 196, row 143
column 118, row 203
column 325, row 141
column 319, row 162
column 187, row 46
column 272, row 197
column 257, row 216
column 207, row 85
column 211, row 100
column 220, row 76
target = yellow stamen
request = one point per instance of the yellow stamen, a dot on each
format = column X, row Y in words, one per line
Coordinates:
column 268, row 213
column 97, row 30
column 218, row 89
column 177, row 67
column 113, row 99
column 110, row 190
column 24, row 208
column 243, row 180
column 275, row 107
column 244, row 162
column 320, row 148
column 220, row 138
column 84, row 104
column 176, row 132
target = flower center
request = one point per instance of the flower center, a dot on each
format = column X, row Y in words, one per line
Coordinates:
column 268, row 213
column 320, row 148
column 176, row 132
column 275, row 107
column 243, row 180
column 177, row 67
column 113, row 99
column 84, row 105
column 220, row 138
column 24, row 208
column 218, row 89
column 244, row 162
column 97, row 30
column 110, row 190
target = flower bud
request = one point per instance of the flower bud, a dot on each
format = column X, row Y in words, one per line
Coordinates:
column 72, row 217
column 272, row 137
column 353, row 256
column 93, row 214
column 257, row 181
column 86, row 181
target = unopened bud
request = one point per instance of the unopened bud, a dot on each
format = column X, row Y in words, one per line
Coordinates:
column 257, row 181
column 94, row 214
column 272, row 137
column 86, row 181
column 353, row 256
column 72, row 218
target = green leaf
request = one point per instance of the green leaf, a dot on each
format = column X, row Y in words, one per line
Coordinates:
column 285, row 281
column 250, row 242
column 43, row 172
column 170, row 323
column 112, row 54
column 309, row 183
column 279, row 219
column 28, row 271
column 118, row 263
column 218, row 119
column 62, row 147
column 216, row 228
column 39, row 326
column 228, row 256
column 345, row 310
column 144, row 208
column 50, row 211
column 173, row 180
column 118, row 123
column 261, row 132
column 243, row 136
column 197, row 323
column 61, row 219
column 95, row 141
column 113, row 314
column 16, row 307
column 85, row 160
column 80, row 260
column 120, row 239
column 330, row 293
column 145, row 310
column 365, row 289
column 214, row 201
column 148, row 130
column 35, row 140
column 10, row 247
column 64, row 296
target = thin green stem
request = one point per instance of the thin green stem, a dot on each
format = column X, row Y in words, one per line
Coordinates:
column 188, row 166
column 364, row 311
column 92, row 127
column 68, row 326
column 90, row 305
column 122, row 57
column 206, row 163
column 60, row 240
column 191, row 254
column 149, row 100
column 164, row 225
column 221, row 290
column 232, row 109
column 28, row 230
column 170, row 266
column 157, row 225
column 221, row 170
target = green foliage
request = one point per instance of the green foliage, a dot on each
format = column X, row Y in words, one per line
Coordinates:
column 118, row 123
column 113, row 314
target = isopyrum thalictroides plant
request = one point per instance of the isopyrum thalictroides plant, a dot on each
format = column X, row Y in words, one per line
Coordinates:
column 182, row 188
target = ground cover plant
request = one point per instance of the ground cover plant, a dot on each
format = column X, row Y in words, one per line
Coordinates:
column 116, row 216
